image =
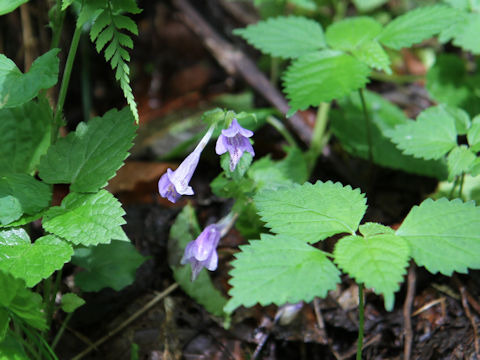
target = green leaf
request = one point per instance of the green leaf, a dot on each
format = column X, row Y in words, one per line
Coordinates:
column 431, row 136
column 378, row 261
column 312, row 212
column 88, row 157
column 66, row 4
column 368, row 5
column 71, row 302
column 25, row 219
column 475, row 167
column 17, row 88
column 12, row 349
column 267, row 175
column 241, row 168
column 348, row 125
column 32, row 262
column 7, row 6
column 184, row 230
column 17, row 299
column 4, row 326
column 321, row 77
column 285, row 37
column 26, row 132
column 372, row 54
column 32, row 195
column 107, row 265
column 459, row 161
column 466, row 37
column 10, row 209
column 470, row 189
column 294, row 165
column 461, row 117
column 351, row 33
column 86, row 219
column 473, row 135
column 416, row 26
column 444, row 236
column 370, row 229
column 265, row 270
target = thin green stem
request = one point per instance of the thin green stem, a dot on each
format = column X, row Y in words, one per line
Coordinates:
column 278, row 125
column 65, row 80
column 50, row 301
column 454, row 186
column 361, row 321
column 318, row 136
column 367, row 125
column 60, row 332
column 395, row 78
column 57, row 24
column 462, row 180
column 274, row 70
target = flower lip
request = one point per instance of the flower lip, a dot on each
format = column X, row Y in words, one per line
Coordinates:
column 235, row 141
column 235, row 129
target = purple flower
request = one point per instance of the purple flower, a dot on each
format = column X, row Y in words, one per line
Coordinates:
column 202, row 252
column 235, row 141
column 173, row 184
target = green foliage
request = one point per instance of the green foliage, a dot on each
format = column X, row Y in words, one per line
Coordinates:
column 444, row 236
column 23, row 194
column 378, row 261
column 348, row 125
column 7, row 6
column 88, row 157
column 416, row 26
column 71, row 302
column 107, row 28
column 26, row 131
column 279, row 269
column 372, row 54
column 107, row 265
column 431, row 136
column 17, row 88
column 368, row 5
column 459, row 161
column 312, row 212
column 473, row 135
column 32, row 262
column 11, row 349
column 184, row 230
column 86, row 219
column 351, row 33
column 285, row 37
column 323, row 76
column 241, row 168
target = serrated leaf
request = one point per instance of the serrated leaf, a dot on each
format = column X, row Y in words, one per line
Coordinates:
column 88, row 157
column 473, row 135
column 7, row 6
column 466, row 36
column 312, row 212
column 12, row 349
column 459, row 161
column 32, row 195
column 129, row 6
column 107, row 265
column 370, row 229
column 444, row 236
column 267, row 175
column 431, row 136
column 10, row 209
column 368, row 5
column 348, row 125
column 321, row 77
column 351, row 33
column 17, row 88
column 285, row 37
column 378, row 261
column 416, row 25
column 66, row 4
column 184, row 230
column 100, row 23
column 71, row 302
column 124, row 22
column 32, row 262
column 372, row 54
column 461, row 118
column 265, row 270
column 86, row 219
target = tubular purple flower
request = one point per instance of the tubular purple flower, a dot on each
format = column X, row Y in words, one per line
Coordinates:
column 202, row 252
column 173, row 184
column 235, row 141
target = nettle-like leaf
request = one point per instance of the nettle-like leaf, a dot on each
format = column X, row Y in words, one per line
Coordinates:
column 71, row 302
column 279, row 269
column 464, row 32
column 87, row 219
column 321, row 77
column 26, row 131
column 372, row 54
column 107, row 29
column 444, row 236
column 416, row 26
column 17, row 88
column 431, row 136
column 312, row 212
column 350, row 33
column 22, row 194
column 107, row 265
column 184, row 230
column 285, row 37
column 348, row 125
column 378, row 261
column 473, row 135
column 32, row 262
column 459, row 161
column 7, row 6
column 88, row 157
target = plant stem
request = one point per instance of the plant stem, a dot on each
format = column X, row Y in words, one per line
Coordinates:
column 454, row 186
column 65, row 80
column 318, row 136
column 367, row 125
column 274, row 67
column 360, row 321
column 57, row 24
column 278, row 125
column 60, row 332
column 460, row 190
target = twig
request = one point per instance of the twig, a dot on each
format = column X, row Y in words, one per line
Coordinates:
column 463, row 293
column 407, row 311
column 429, row 305
column 128, row 321
column 236, row 63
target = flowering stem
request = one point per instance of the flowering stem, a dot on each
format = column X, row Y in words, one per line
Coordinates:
column 318, row 136
column 367, row 125
column 360, row 322
column 278, row 125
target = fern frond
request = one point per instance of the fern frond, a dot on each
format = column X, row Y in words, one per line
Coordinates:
column 107, row 29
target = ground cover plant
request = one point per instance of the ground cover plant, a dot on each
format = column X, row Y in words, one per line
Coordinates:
column 303, row 234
